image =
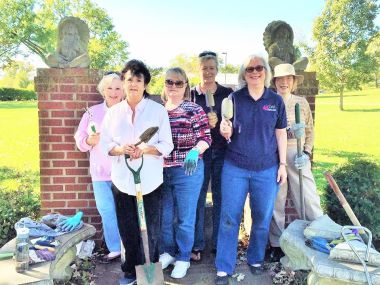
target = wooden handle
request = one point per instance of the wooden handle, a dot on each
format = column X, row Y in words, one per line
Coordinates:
column 342, row 199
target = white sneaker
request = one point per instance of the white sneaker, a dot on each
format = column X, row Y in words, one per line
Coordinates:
column 180, row 269
column 166, row 259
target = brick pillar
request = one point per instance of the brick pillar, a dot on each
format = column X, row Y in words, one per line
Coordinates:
column 65, row 182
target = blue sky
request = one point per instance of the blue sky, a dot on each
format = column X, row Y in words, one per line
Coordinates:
column 157, row 31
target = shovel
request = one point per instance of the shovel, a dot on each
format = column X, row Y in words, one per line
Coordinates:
column 148, row 273
column 299, row 153
column 145, row 137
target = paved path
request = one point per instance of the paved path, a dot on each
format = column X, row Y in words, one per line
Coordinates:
column 198, row 274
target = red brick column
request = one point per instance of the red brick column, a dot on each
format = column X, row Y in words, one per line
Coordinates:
column 65, row 182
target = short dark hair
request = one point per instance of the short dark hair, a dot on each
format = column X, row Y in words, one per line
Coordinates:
column 139, row 69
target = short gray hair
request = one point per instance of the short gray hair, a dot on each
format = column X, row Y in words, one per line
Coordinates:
column 106, row 80
column 207, row 56
column 268, row 73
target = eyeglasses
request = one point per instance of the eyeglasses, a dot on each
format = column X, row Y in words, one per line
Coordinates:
column 251, row 69
column 205, row 53
column 178, row 84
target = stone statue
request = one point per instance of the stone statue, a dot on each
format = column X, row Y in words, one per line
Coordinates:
column 73, row 36
column 278, row 42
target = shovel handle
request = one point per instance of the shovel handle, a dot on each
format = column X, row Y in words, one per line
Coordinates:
column 140, row 208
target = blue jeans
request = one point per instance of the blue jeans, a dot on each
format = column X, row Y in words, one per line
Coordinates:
column 105, row 204
column 213, row 160
column 179, row 205
column 236, row 184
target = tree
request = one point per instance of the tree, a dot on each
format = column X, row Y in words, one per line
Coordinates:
column 30, row 26
column 229, row 68
column 342, row 33
column 373, row 51
column 18, row 75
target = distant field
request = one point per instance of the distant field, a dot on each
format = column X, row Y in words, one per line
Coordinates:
column 339, row 136
column 344, row 135
column 19, row 154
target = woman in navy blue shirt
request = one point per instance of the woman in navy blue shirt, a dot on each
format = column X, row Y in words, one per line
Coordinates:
column 254, row 163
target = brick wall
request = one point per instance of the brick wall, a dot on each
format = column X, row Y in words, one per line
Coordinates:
column 65, row 182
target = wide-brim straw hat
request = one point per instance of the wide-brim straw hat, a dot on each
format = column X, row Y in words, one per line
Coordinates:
column 285, row 69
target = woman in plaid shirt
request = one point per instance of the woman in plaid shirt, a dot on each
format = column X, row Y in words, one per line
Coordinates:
column 183, row 171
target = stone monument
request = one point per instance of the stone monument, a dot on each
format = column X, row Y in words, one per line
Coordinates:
column 73, row 37
column 278, row 42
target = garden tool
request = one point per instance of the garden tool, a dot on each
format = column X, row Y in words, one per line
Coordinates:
column 349, row 229
column 145, row 137
column 227, row 110
column 148, row 273
column 210, row 102
column 299, row 154
column 346, row 206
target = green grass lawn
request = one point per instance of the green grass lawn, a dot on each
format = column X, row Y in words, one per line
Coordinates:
column 343, row 135
column 339, row 135
column 19, row 154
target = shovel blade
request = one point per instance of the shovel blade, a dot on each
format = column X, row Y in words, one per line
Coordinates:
column 150, row 274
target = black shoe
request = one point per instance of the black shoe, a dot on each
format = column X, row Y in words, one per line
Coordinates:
column 221, row 280
column 275, row 254
column 128, row 279
column 256, row 270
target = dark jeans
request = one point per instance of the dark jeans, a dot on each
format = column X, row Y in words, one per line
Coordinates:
column 213, row 160
column 126, row 211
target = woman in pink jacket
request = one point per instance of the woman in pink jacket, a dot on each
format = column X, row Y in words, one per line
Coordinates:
column 87, row 139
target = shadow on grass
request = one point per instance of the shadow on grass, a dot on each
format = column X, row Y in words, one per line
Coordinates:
column 27, row 178
column 337, row 96
column 363, row 110
column 18, row 105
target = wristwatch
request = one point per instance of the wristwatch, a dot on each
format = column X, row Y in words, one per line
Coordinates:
column 308, row 153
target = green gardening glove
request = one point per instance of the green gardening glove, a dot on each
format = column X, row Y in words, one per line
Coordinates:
column 191, row 161
column 71, row 223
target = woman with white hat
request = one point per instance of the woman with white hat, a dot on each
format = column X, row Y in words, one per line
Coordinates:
column 285, row 81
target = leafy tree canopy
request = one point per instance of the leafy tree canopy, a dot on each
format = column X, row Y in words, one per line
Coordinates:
column 342, row 33
column 30, row 26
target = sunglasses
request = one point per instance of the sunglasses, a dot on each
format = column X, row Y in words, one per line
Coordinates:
column 178, row 84
column 112, row 72
column 251, row 69
column 205, row 53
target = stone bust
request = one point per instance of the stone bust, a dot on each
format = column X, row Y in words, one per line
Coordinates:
column 73, row 37
column 278, row 42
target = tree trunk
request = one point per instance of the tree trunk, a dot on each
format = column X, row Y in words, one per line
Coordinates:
column 341, row 98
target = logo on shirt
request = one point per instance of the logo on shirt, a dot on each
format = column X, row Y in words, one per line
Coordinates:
column 270, row 108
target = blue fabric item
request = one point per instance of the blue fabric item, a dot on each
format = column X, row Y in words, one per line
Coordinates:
column 191, row 161
column 179, row 205
column 48, row 226
column 71, row 223
column 105, row 204
column 319, row 243
column 236, row 184
column 253, row 143
column 213, row 159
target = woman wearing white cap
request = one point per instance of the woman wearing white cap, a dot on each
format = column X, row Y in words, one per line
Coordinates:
column 285, row 81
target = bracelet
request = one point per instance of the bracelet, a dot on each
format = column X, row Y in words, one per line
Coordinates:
column 283, row 163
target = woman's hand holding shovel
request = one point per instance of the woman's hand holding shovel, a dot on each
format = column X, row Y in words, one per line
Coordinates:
column 226, row 129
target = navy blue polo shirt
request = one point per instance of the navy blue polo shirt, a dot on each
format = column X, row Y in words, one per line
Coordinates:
column 218, row 141
column 253, row 143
